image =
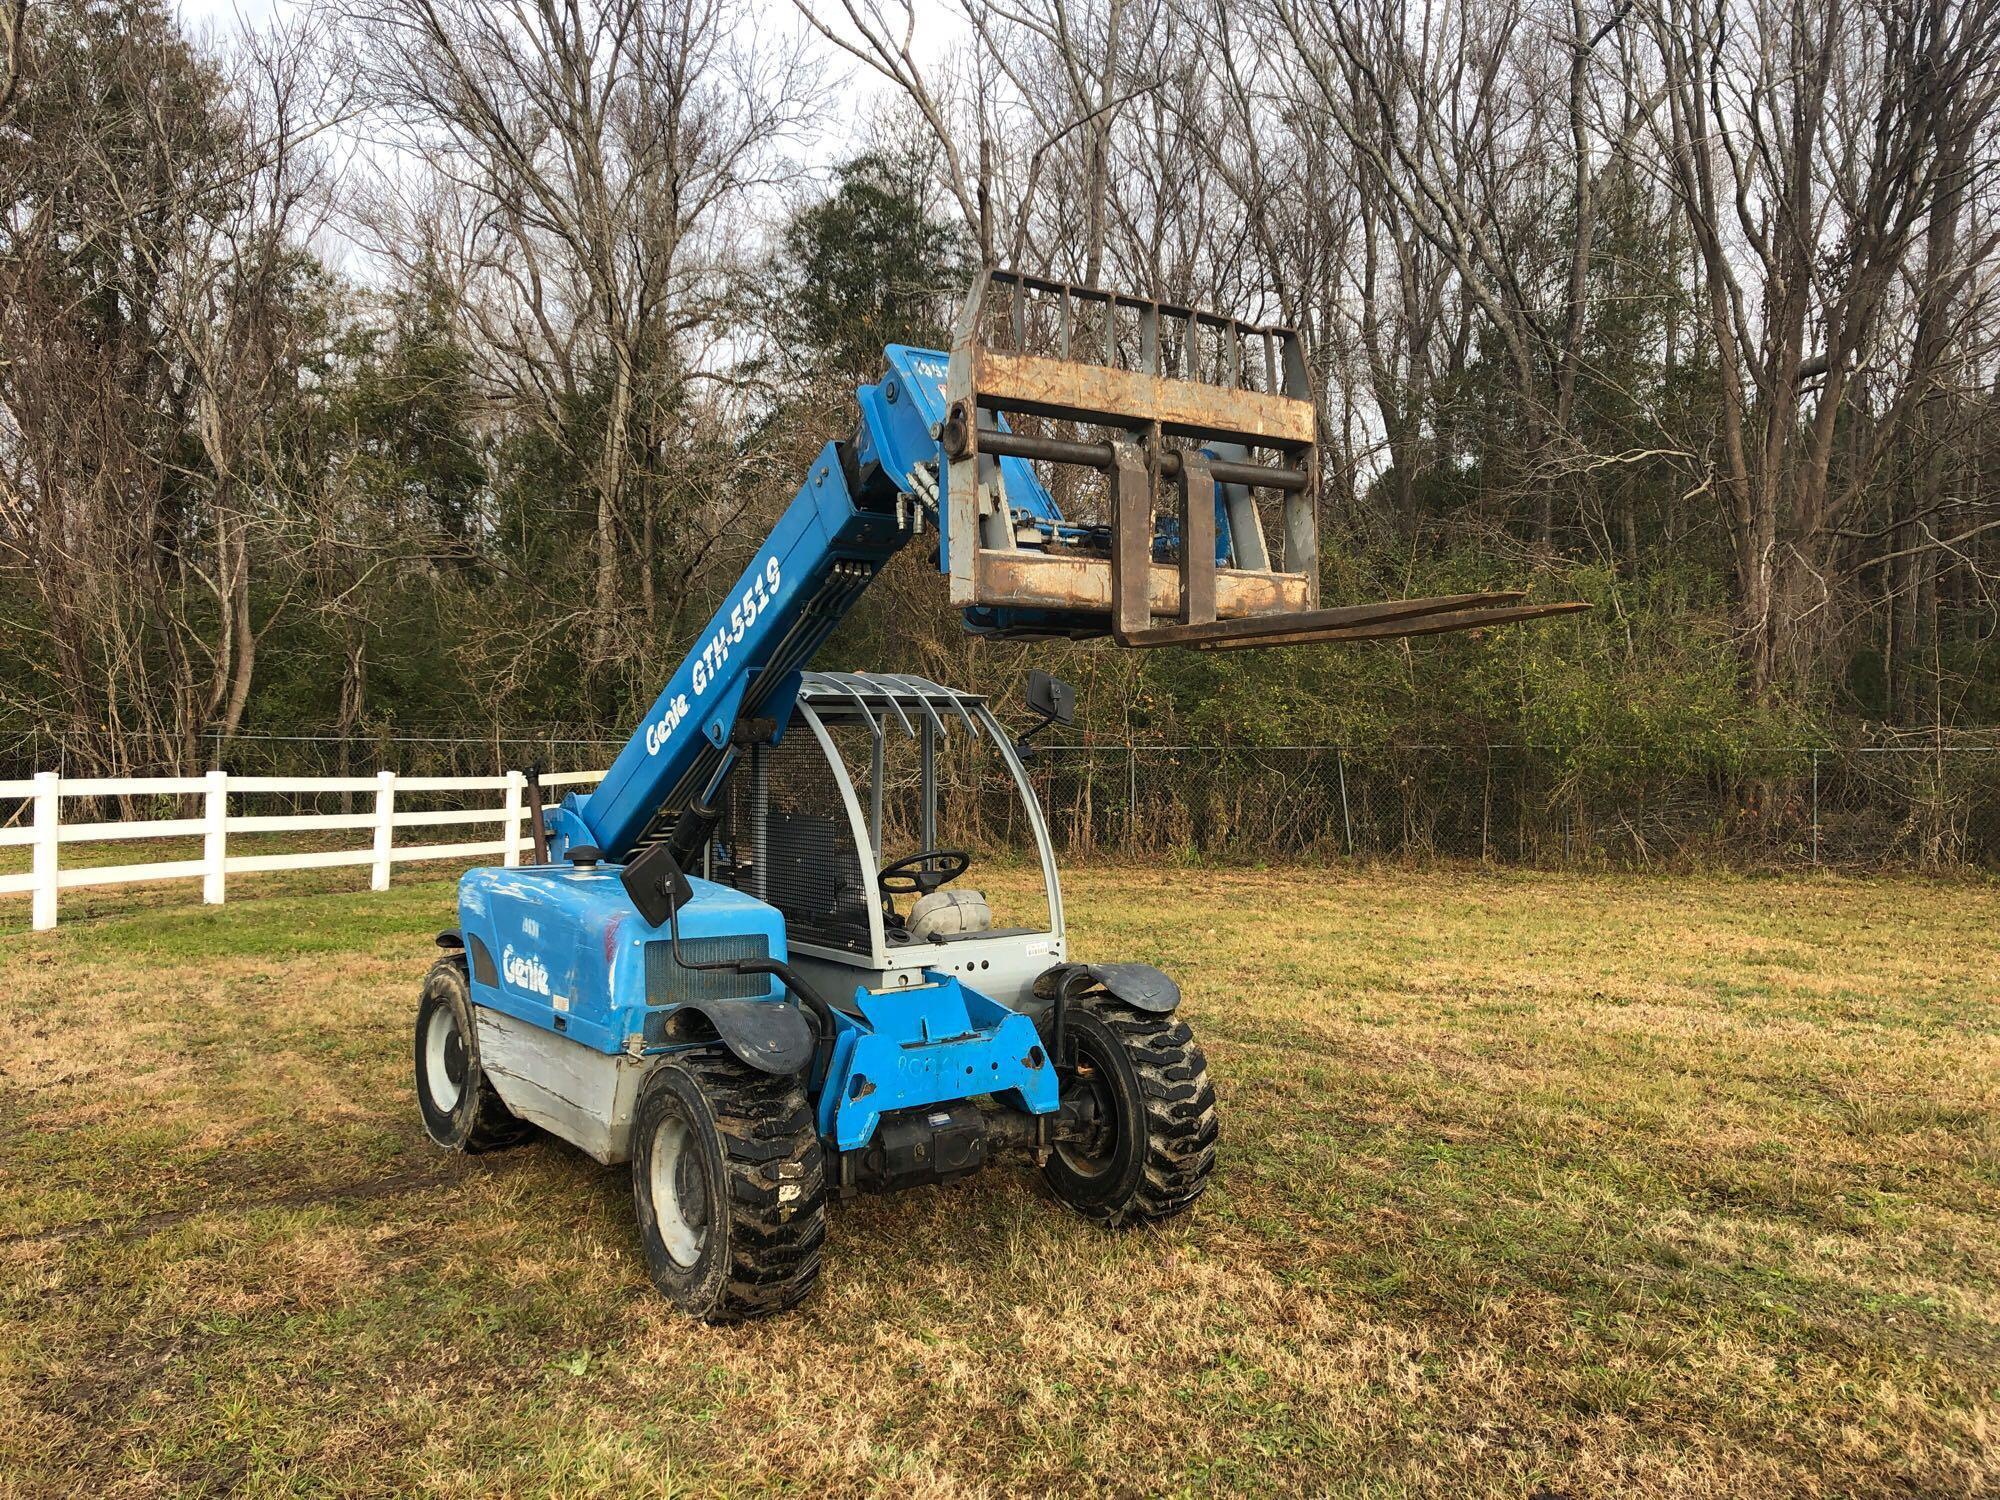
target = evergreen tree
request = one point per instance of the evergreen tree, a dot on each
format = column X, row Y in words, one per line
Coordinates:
column 867, row 266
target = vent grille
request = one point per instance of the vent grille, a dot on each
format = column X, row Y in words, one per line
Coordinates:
column 808, row 866
column 482, row 961
column 667, row 983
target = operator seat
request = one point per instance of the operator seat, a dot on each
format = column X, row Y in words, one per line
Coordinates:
column 946, row 914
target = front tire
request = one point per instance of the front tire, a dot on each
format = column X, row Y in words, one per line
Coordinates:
column 729, row 1183
column 1147, row 1081
column 460, row 1109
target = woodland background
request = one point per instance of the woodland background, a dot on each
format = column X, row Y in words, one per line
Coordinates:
column 426, row 369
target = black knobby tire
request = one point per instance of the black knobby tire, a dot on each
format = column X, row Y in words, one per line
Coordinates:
column 1156, row 1147
column 461, row 1112
column 729, row 1182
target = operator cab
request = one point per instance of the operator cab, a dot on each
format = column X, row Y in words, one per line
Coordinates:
column 870, row 825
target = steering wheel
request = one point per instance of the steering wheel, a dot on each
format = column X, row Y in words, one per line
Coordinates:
column 923, row 872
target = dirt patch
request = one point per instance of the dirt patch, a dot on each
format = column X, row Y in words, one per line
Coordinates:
column 447, row 1171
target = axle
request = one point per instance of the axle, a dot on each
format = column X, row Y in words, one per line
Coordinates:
column 944, row 1142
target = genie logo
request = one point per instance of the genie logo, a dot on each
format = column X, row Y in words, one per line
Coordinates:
column 524, row 970
column 659, row 732
column 760, row 593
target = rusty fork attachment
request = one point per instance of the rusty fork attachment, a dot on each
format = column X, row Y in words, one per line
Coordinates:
column 1218, row 409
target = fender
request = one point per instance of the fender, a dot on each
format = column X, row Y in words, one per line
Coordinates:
column 772, row 1036
column 1140, row 986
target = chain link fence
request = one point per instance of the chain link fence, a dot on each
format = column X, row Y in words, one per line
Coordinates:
column 1611, row 806
column 1906, row 805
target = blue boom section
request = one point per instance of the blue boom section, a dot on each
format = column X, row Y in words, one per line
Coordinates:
column 805, row 579
column 898, row 413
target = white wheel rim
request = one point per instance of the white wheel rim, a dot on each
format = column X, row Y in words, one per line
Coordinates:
column 683, row 1225
column 438, row 1036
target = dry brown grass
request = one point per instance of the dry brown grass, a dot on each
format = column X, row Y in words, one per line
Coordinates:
column 1530, row 1182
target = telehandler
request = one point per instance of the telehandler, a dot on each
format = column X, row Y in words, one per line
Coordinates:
column 748, row 963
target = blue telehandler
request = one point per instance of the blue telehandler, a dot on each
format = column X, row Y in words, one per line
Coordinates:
column 747, row 963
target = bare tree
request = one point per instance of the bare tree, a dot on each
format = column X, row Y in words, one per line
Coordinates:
column 586, row 162
column 157, row 314
column 1447, row 114
column 882, row 36
column 13, row 39
column 1820, row 154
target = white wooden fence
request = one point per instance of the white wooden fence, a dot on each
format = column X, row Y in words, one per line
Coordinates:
column 45, row 833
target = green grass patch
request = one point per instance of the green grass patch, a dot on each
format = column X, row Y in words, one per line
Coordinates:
column 1586, row 1185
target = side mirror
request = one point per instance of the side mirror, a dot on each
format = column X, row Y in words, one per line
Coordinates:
column 656, row 885
column 1051, row 698
column 1052, row 701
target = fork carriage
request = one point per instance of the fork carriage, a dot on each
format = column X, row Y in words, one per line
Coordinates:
column 1213, row 410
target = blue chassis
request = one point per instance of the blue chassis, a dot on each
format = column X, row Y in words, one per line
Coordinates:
column 564, row 950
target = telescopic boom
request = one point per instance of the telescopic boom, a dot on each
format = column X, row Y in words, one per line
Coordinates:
column 1136, row 398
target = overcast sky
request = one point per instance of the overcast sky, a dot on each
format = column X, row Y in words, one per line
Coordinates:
column 940, row 27
column 222, row 14
column 941, row 24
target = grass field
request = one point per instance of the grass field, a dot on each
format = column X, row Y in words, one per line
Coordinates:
column 1530, row 1184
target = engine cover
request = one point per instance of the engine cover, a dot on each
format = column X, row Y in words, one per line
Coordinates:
column 562, row 947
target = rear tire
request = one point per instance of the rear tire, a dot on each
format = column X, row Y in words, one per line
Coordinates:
column 1155, row 1149
column 729, row 1183
column 461, row 1111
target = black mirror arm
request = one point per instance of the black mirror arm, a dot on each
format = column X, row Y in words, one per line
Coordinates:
column 1024, row 744
column 1051, row 700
